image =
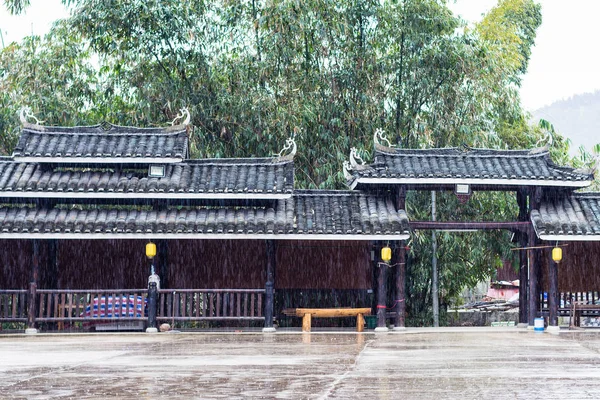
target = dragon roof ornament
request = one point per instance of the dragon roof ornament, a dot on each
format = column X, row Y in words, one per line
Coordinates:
column 290, row 148
column 379, row 137
column 354, row 157
column 26, row 113
column 346, row 168
column 183, row 113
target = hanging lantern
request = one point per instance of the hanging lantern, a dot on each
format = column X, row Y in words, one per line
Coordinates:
column 386, row 254
column 150, row 250
column 557, row 254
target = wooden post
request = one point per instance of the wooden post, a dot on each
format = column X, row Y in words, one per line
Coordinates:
column 533, row 286
column 523, row 278
column 401, row 268
column 269, row 286
column 360, row 323
column 31, row 299
column 306, row 322
column 535, row 198
column 553, row 293
column 152, row 300
column 400, row 287
column 381, row 293
column 163, row 262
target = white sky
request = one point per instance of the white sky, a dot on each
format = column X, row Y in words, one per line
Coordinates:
column 564, row 61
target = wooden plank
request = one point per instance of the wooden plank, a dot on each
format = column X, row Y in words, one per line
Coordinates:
column 170, row 305
column 183, row 299
column 22, row 305
column 259, row 308
column 40, row 309
column 218, row 313
column 332, row 312
column 306, row 322
column 176, row 305
column 161, row 305
column 14, row 306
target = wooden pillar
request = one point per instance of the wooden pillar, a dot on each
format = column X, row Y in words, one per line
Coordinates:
column 400, row 287
column 31, row 298
column 381, row 292
column 523, row 277
column 163, row 263
column 535, row 198
column 269, row 291
column 553, row 292
column 401, row 268
column 533, row 274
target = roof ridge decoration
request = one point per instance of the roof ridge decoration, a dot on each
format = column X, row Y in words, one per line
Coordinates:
column 353, row 165
column 354, row 156
column 26, row 113
column 379, row 135
column 290, row 145
column 183, row 113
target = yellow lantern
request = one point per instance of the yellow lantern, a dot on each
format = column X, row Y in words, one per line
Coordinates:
column 557, row 254
column 150, row 250
column 386, row 254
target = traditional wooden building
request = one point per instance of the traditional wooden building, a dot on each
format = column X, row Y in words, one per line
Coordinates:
column 236, row 241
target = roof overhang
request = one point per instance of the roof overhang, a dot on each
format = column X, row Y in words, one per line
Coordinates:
column 145, row 195
column 99, row 160
column 470, row 181
column 569, row 238
column 197, row 236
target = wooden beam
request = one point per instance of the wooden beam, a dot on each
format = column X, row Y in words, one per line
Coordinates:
column 456, row 226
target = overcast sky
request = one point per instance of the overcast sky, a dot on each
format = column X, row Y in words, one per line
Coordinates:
column 564, row 61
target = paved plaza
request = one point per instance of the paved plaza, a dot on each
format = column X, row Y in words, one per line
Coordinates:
column 463, row 363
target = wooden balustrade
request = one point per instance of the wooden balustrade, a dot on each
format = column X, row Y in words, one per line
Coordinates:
column 13, row 305
column 210, row 304
column 90, row 305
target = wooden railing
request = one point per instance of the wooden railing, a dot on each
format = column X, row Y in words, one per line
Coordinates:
column 567, row 299
column 90, row 305
column 210, row 304
column 13, row 306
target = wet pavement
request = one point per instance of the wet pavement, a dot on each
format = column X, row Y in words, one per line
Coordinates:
column 507, row 363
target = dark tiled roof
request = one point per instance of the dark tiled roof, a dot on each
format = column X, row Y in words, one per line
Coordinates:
column 97, row 144
column 575, row 216
column 465, row 165
column 314, row 215
column 219, row 178
column 347, row 212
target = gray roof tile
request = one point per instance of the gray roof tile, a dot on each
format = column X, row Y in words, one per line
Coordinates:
column 97, row 144
column 189, row 179
column 310, row 214
column 573, row 216
column 484, row 166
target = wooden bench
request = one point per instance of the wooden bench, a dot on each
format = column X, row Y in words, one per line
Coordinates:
column 308, row 313
column 579, row 308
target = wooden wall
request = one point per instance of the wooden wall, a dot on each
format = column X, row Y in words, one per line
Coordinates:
column 114, row 264
column 580, row 269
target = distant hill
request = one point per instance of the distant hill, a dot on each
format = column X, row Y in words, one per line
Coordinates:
column 577, row 118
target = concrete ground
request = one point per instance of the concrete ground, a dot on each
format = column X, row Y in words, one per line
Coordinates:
column 459, row 363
